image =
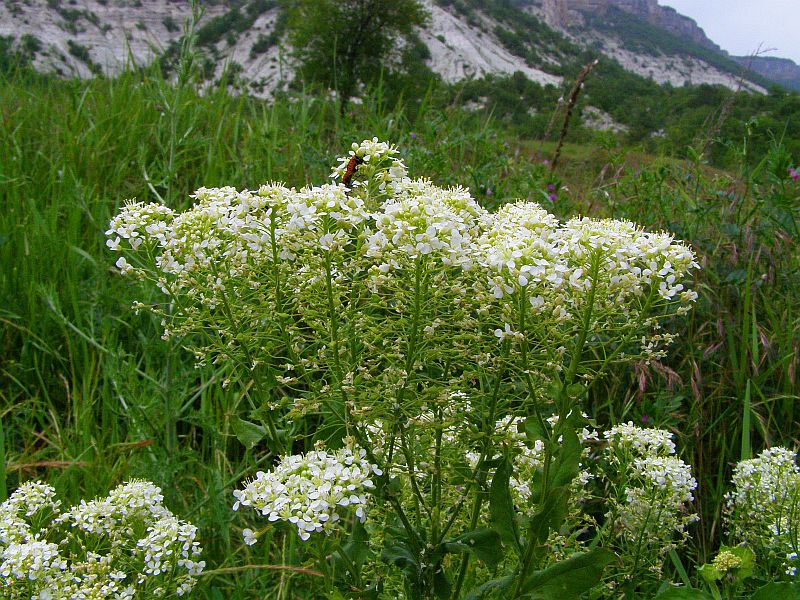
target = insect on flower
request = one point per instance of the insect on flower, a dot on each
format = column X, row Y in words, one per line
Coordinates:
column 351, row 169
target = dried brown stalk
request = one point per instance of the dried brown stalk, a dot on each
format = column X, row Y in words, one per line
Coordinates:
column 573, row 98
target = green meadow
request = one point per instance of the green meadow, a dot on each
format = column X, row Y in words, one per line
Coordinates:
column 91, row 396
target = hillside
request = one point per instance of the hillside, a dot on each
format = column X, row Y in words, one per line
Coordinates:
column 780, row 70
column 465, row 39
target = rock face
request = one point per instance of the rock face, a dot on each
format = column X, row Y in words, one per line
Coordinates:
column 460, row 51
column 779, row 70
column 561, row 13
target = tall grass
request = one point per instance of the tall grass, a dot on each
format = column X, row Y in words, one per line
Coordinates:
column 732, row 386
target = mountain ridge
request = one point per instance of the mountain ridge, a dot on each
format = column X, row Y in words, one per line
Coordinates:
column 465, row 39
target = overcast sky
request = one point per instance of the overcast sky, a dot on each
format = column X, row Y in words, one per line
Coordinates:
column 739, row 26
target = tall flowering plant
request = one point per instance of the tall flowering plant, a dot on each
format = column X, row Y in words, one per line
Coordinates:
column 440, row 351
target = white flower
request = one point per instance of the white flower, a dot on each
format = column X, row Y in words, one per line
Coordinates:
column 249, row 536
column 656, row 505
column 502, row 334
column 124, row 266
column 58, row 561
column 309, row 490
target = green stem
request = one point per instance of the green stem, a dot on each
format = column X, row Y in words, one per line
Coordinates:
column 411, row 353
column 562, row 406
column 334, row 327
column 478, row 475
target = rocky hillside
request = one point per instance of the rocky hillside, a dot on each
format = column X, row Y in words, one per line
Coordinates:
column 646, row 38
column 780, row 70
column 465, row 39
column 564, row 13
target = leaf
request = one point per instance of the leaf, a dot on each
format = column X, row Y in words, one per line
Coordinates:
column 679, row 567
column 215, row 594
column 357, row 548
column 401, row 557
column 569, row 578
column 748, row 558
column 785, row 590
column 710, row 573
column 483, row 543
column 576, row 390
column 550, row 516
column 684, row 593
column 745, row 569
column 441, row 584
column 249, row 434
column 533, row 429
column 355, row 552
column 495, row 584
column 567, row 463
column 501, row 506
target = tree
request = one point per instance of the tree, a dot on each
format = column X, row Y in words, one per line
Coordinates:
column 341, row 44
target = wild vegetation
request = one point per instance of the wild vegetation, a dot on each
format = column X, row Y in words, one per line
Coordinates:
column 493, row 380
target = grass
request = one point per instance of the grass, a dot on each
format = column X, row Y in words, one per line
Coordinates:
column 90, row 395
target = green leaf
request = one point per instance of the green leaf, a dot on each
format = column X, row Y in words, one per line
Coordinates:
column 576, row 390
column 567, row 462
column 357, row 548
column 683, row 593
column 710, row 573
column 215, row 594
column 569, row 578
column 249, row 434
column 785, row 590
column 494, row 585
column 550, row 516
column 354, row 553
column 441, row 584
column 401, row 557
column 483, row 543
column 745, row 569
column 501, row 506
column 679, row 567
column 533, row 429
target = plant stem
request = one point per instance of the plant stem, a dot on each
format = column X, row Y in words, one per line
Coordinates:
column 563, row 408
column 488, row 426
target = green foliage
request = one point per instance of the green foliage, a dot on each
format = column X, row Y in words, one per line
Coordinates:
column 82, row 54
column 170, row 24
column 342, row 44
column 236, row 20
column 10, row 58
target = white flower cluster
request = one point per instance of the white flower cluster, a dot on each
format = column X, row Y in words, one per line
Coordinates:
column 370, row 153
column 518, row 251
column 658, row 486
column 45, row 553
column 638, row 441
column 631, row 259
column 226, row 250
column 310, row 490
column 666, row 475
column 558, row 265
column 762, row 509
column 422, row 219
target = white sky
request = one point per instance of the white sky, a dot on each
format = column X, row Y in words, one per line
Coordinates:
column 739, row 26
